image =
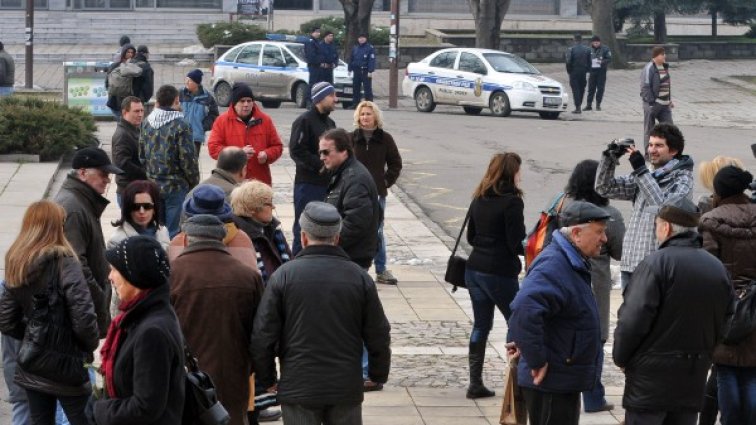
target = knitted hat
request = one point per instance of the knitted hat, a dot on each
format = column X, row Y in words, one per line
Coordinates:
column 208, row 199
column 195, row 75
column 320, row 220
column 595, row 38
column 204, row 226
column 143, row 49
column 92, row 157
column 682, row 212
column 240, row 91
column 321, row 90
column 141, row 260
column 731, row 181
column 581, row 212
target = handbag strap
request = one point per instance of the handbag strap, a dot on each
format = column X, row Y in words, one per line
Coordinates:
column 461, row 231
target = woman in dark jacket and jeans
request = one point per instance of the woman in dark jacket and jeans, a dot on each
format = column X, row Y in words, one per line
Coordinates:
column 142, row 356
column 495, row 232
column 40, row 251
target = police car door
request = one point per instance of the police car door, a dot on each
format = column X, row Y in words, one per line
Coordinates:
column 273, row 73
column 443, row 76
column 472, row 71
column 248, row 67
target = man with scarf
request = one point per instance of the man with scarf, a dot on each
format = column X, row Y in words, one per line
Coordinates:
column 669, row 180
column 167, row 151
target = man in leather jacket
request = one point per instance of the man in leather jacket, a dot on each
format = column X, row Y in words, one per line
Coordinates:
column 671, row 319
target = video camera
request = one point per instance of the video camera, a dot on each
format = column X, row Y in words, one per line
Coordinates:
column 618, row 147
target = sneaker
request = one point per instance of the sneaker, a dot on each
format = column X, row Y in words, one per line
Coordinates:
column 588, row 108
column 386, row 278
column 598, row 107
column 269, row 415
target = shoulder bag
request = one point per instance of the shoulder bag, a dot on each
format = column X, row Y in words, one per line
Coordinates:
column 201, row 405
column 49, row 349
column 743, row 320
column 455, row 268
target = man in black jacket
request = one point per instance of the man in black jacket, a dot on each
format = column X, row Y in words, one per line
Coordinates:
column 352, row 191
column 81, row 197
column 144, row 85
column 125, row 144
column 309, row 183
column 670, row 321
column 320, row 319
column 578, row 62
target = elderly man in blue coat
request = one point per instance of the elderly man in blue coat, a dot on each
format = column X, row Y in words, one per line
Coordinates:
column 554, row 327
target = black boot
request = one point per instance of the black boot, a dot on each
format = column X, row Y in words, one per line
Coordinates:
column 476, row 357
column 588, row 108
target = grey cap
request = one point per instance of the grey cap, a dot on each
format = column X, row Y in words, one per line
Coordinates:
column 681, row 211
column 204, row 226
column 320, row 220
column 581, row 212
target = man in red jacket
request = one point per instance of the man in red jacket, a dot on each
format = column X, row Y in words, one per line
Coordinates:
column 246, row 126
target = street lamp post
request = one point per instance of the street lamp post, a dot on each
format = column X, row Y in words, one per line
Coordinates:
column 29, row 32
column 394, row 55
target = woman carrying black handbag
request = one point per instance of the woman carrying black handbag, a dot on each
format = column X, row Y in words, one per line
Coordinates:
column 48, row 306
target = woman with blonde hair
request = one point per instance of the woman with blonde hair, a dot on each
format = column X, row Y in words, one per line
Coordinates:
column 495, row 231
column 706, row 172
column 43, row 276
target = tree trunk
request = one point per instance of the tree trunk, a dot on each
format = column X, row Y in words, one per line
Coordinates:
column 488, row 16
column 660, row 27
column 357, row 21
column 713, row 13
column 603, row 26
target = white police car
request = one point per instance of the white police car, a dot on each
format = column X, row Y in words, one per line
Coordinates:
column 276, row 72
column 482, row 78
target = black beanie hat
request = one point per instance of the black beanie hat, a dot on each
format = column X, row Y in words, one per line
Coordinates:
column 731, row 181
column 141, row 260
column 239, row 91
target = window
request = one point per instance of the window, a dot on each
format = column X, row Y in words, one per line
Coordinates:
column 21, row 4
column 471, row 63
column 512, row 64
column 272, row 56
column 250, row 54
column 291, row 61
column 444, row 60
column 232, row 54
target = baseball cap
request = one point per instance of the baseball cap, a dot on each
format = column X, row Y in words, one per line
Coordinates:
column 92, row 157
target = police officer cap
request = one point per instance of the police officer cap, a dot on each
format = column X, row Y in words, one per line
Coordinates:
column 581, row 212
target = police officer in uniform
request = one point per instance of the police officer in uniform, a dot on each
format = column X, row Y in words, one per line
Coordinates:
column 578, row 61
column 362, row 64
column 312, row 56
column 600, row 58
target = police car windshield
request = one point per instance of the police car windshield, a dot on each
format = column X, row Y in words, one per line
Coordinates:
column 297, row 49
column 509, row 63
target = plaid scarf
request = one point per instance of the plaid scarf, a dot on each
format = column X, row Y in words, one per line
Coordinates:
column 666, row 168
column 113, row 342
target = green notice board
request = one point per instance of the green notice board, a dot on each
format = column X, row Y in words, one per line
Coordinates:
column 84, row 86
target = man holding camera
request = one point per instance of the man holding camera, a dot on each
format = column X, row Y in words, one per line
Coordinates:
column 246, row 126
column 670, row 179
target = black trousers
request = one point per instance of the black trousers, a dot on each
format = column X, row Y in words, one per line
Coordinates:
column 336, row 414
column 596, row 84
column 635, row 417
column 577, row 84
column 552, row 408
column 42, row 408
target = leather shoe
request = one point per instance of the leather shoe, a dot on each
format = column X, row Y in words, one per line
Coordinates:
column 369, row 385
column 605, row 408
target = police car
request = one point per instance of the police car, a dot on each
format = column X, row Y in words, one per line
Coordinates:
column 276, row 72
column 482, row 78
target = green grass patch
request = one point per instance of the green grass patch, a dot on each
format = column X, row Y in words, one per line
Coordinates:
column 747, row 78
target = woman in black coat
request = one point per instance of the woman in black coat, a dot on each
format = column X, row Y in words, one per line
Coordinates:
column 142, row 357
column 495, row 232
column 40, row 258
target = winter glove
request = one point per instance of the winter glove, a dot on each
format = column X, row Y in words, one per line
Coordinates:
column 637, row 161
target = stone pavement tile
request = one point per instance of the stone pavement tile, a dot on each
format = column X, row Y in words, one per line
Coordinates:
column 419, row 284
column 393, row 420
column 458, row 351
column 602, row 418
column 438, row 401
column 437, row 392
column 494, row 401
column 440, row 314
column 495, row 410
column 398, row 351
column 389, row 411
column 390, row 396
column 449, row 411
column 411, row 273
column 456, row 420
column 18, row 198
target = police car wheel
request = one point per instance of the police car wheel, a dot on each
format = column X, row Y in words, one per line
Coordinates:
column 272, row 104
column 424, row 100
column 223, row 94
column 472, row 110
column 300, row 95
column 499, row 104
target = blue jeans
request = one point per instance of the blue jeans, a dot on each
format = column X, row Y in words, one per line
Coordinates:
column 737, row 394
column 486, row 292
column 6, row 91
column 360, row 79
column 380, row 256
column 594, row 400
column 172, row 209
column 304, row 193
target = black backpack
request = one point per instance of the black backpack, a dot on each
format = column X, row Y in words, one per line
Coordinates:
column 201, row 405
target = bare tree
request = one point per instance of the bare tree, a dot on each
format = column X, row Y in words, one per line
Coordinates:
column 603, row 26
column 357, row 21
column 488, row 16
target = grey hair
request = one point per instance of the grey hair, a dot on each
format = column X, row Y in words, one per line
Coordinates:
column 567, row 231
column 678, row 229
column 316, row 240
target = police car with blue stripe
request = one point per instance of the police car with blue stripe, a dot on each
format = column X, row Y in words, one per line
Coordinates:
column 275, row 70
column 482, row 78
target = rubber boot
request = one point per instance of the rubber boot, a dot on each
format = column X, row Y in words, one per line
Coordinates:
column 476, row 357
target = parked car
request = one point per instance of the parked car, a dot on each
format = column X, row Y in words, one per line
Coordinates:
column 276, row 72
column 482, row 78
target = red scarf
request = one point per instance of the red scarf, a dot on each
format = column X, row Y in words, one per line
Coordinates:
column 113, row 341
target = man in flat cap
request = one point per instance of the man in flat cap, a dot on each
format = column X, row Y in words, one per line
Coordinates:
column 554, row 327
column 322, row 319
column 672, row 317
column 81, row 197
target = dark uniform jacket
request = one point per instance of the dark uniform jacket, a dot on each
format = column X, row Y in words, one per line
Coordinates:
column 352, row 191
column 84, row 207
column 601, row 53
column 303, row 146
column 320, row 320
column 362, row 57
column 125, row 144
column 672, row 316
column 149, row 374
column 578, row 59
column 16, row 307
column 380, row 156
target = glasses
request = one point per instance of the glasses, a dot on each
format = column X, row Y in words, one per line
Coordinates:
column 324, row 152
column 147, row 206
